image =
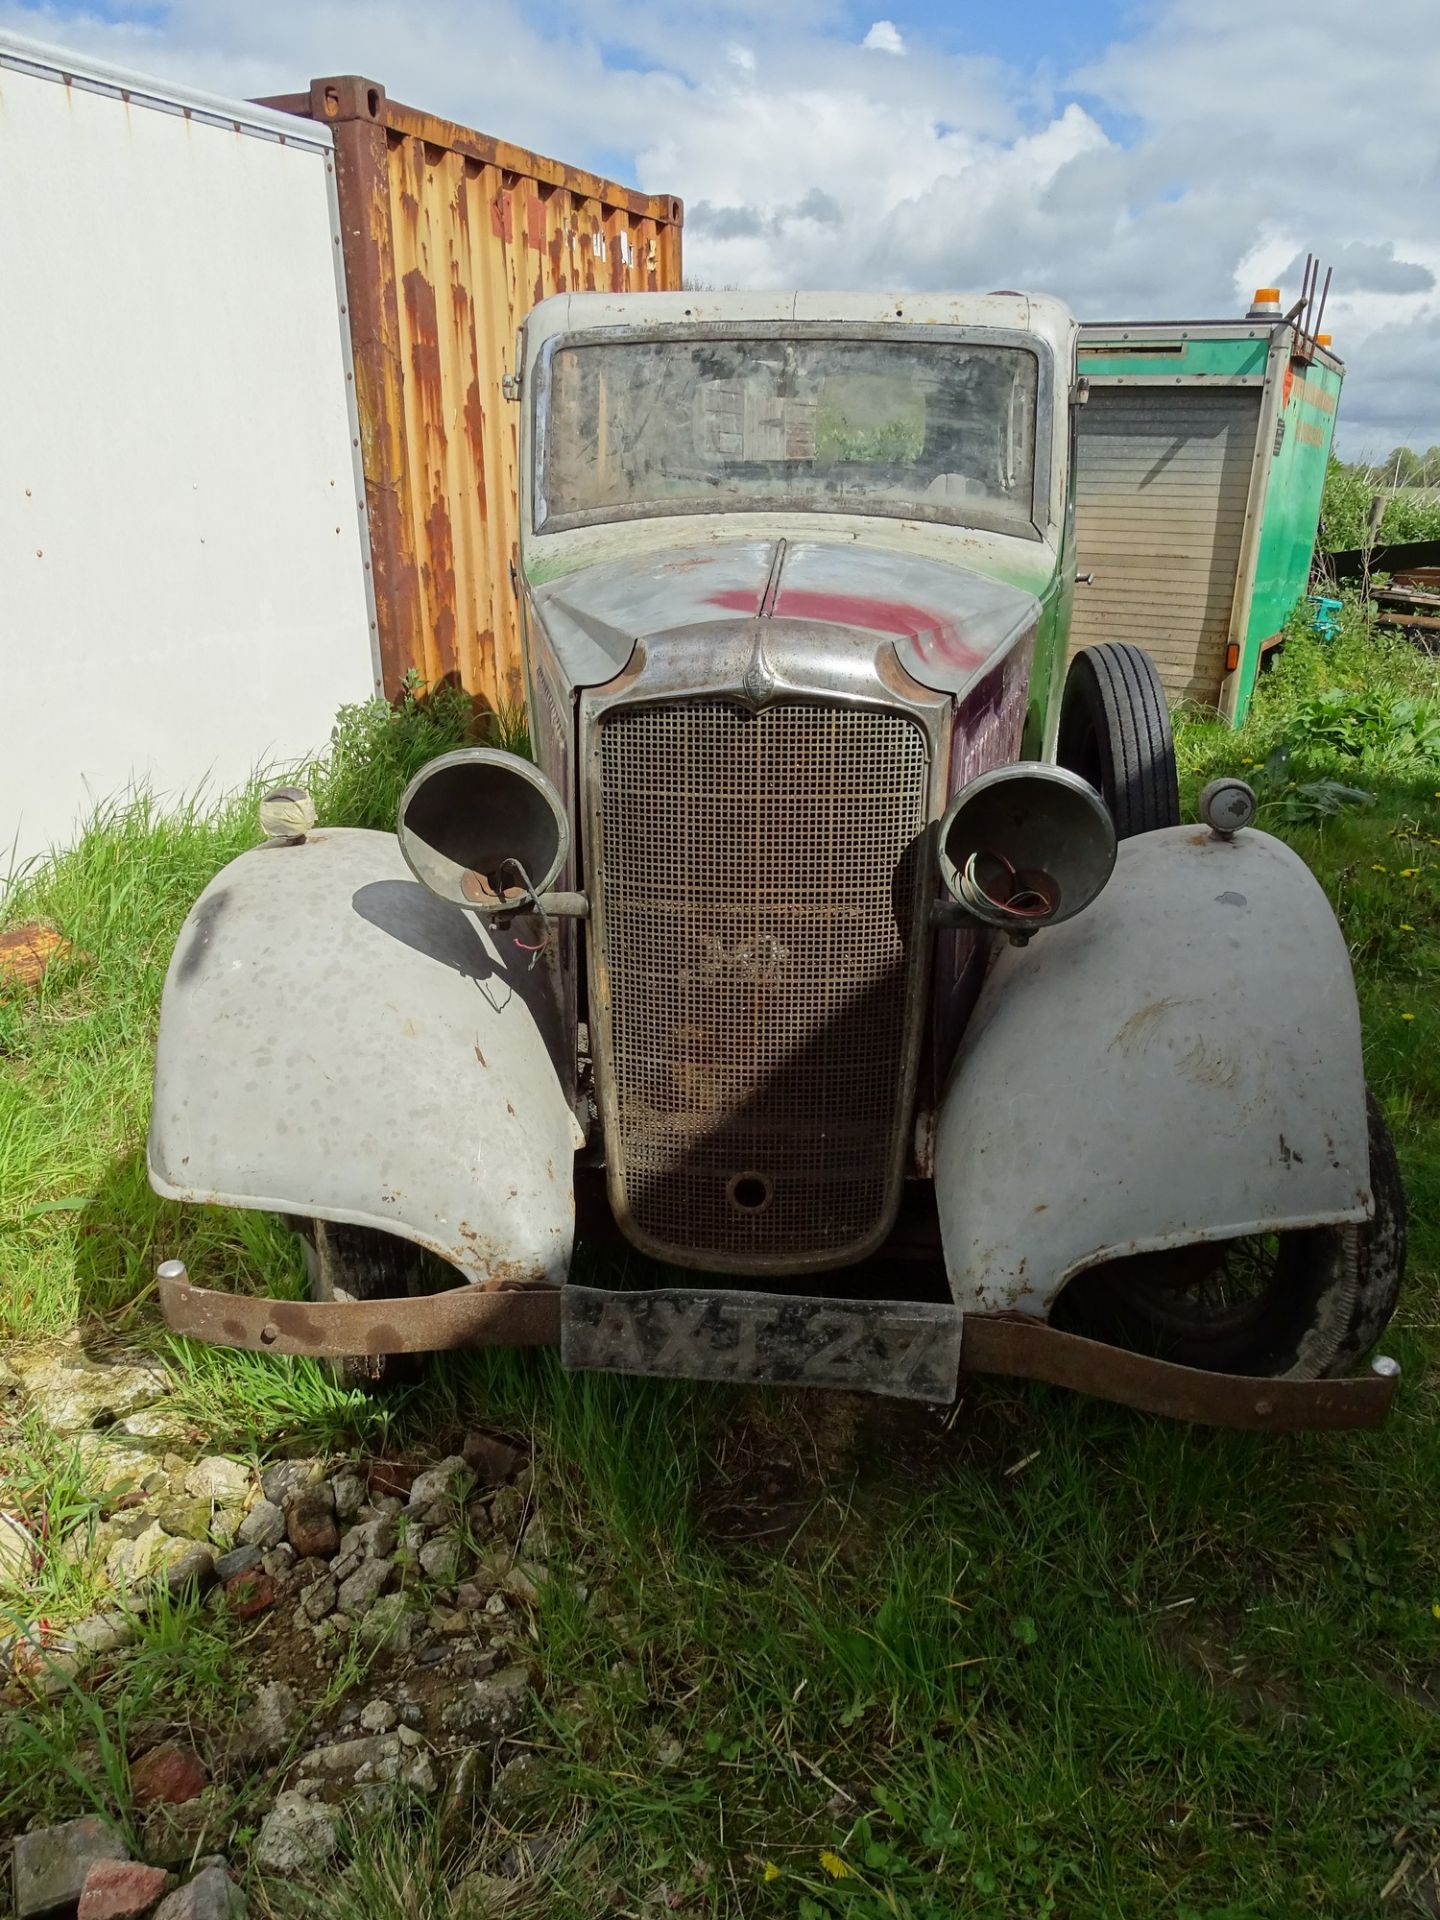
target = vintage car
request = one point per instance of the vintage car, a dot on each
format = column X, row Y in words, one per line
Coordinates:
column 841, row 948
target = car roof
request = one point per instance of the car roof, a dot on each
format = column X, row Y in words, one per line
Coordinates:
column 1036, row 313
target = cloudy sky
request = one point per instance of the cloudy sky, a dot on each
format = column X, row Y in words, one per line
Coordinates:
column 1152, row 159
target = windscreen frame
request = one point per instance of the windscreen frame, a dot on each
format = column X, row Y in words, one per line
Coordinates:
column 969, row 516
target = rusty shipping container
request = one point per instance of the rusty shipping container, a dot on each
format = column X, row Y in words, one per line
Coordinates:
column 450, row 237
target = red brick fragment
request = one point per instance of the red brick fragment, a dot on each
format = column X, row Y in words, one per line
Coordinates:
column 172, row 1772
column 250, row 1593
column 120, row 1890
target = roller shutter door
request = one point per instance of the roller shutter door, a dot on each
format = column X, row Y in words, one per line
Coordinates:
column 1162, row 477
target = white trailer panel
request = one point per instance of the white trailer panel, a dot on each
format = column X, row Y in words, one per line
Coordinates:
column 184, row 584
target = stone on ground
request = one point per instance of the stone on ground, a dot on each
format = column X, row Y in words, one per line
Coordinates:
column 389, row 1623
column 218, row 1479
column 104, row 1633
column 193, row 1564
column 129, row 1561
column 173, row 1834
column 492, row 1458
column 75, row 1392
column 239, row 1560
column 284, row 1477
column 349, row 1490
column 365, row 1585
column 211, row 1895
column 269, row 1723
column 187, row 1519
column 296, row 1835
column 482, row 1896
column 440, row 1558
column 449, row 1479
column 310, row 1522
column 319, row 1598
column 490, row 1708
column 51, row 1865
column 17, row 1552
column 263, row 1526
column 377, row 1759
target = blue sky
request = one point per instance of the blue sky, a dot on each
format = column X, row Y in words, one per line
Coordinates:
column 1139, row 158
column 1064, row 33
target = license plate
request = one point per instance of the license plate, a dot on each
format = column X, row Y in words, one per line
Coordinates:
column 907, row 1349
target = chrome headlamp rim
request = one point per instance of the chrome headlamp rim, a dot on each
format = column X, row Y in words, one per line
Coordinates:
column 1077, row 882
column 440, row 873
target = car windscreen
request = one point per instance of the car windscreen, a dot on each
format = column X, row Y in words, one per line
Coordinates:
column 941, row 430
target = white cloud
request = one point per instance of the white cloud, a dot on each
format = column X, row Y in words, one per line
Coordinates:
column 885, row 37
column 1186, row 164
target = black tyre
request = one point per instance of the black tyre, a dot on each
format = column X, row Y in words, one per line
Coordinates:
column 1302, row 1305
column 361, row 1263
column 1115, row 733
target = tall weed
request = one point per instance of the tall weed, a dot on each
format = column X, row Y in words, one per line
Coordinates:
column 1366, row 700
column 1410, row 512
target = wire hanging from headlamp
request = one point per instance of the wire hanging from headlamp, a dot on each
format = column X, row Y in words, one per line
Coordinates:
column 1022, row 906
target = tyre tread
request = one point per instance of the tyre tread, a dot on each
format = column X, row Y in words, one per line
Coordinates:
column 1121, row 686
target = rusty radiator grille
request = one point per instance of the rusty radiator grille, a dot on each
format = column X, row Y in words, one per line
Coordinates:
column 757, row 882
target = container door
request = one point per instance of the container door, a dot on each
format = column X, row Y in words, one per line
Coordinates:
column 1162, row 480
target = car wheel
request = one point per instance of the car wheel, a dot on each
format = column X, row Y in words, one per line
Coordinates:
column 1302, row 1305
column 1115, row 733
column 361, row 1263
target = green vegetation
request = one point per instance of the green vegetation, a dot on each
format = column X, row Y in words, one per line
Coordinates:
column 1409, row 488
column 817, row 1656
column 870, row 417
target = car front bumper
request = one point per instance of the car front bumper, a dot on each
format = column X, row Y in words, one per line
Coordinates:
column 906, row 1349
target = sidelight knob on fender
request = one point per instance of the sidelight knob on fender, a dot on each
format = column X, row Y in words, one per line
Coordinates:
column 1226, row 806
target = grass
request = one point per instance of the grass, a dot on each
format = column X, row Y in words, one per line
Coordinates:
column 813, row 1656
column 79, row 1228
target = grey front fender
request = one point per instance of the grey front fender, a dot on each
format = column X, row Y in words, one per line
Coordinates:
column 1179, row 1063
column 336, row 1042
